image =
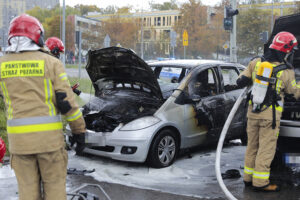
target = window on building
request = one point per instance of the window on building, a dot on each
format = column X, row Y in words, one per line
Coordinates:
column 144, row 22
column 154, row 21
column 170, row 21
column 158, row 21
column 179, row 17
column 167, row 21
column 175, row 19
column 164, row 21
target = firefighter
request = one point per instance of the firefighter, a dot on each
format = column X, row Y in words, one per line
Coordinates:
column 36, row 92
column 263, row 119
column 55, row 46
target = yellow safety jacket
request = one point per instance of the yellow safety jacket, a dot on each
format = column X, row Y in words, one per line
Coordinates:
column 286, row 83
column 30, row 83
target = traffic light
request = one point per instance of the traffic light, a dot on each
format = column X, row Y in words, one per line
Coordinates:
column 263, row 36
column 228, row 17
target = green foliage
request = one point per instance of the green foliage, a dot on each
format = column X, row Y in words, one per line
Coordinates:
column 249, row 24
column 204, row 38
column 84, row 9
column 85, row 85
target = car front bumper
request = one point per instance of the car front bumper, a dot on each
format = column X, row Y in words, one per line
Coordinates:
column 119, row 145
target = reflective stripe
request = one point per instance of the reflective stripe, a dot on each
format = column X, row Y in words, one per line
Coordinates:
column 279, row 74
column 49, row 96
column 261, row 175
column 7, row 100
column 63, row 76
column 74, row 116
column 295, row 84
column 248, row 170
column 34, row 128
column 279, row 108
column 278, row 86
column 33, row 120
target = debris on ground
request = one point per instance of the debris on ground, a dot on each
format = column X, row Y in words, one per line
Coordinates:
column 75, row 171
column 231, row 173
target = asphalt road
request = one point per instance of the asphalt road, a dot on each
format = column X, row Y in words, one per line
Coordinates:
column 191, row 177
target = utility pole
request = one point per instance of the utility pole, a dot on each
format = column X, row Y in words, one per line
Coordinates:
column 233, row 49
column 64, row 32
column 142, row 35
column 272, row 18
column 79, row 54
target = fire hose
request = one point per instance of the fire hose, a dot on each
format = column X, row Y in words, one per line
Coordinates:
column 221, row 142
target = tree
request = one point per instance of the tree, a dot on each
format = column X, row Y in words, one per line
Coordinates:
column 109, row 10
column 171, row 5
column 249, row 24
column 84, row 9
column 204, row 37
column 125, row 9
column 123, row 31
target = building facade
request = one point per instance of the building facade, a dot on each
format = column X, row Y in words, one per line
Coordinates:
column 12, row 8
column 156, row 28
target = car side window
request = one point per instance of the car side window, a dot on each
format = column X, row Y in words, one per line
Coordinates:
column 230, row 75
column 203, row 84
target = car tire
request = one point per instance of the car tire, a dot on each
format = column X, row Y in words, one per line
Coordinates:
column 244, row 140
column 164, row 149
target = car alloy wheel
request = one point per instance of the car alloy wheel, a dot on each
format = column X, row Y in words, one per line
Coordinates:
column 166, row 150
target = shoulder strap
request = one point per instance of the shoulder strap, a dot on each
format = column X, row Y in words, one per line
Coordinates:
column 279, row 68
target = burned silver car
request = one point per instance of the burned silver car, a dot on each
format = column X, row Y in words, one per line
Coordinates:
column 144, row 112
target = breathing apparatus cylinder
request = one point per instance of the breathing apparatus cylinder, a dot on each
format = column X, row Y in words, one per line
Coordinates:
column 260, row 87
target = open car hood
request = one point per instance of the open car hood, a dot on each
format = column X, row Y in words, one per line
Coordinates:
column 122, row 67
column 289, row 23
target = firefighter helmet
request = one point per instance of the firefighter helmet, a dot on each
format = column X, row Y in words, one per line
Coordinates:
column 55, row 45
column 28, row 26
column 2, row 149
column 284, row 42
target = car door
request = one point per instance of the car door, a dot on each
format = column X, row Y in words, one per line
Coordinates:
column 228, row 76
column 206, row 109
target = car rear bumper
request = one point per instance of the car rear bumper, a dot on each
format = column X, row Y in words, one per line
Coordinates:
column 289, row 137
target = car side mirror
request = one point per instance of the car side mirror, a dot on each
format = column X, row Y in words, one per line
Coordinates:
column 185, row 98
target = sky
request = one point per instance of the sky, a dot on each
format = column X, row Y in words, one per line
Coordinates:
column 137, row 4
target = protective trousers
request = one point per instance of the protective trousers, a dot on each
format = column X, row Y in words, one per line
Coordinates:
column 41, row 176
column 261, row 147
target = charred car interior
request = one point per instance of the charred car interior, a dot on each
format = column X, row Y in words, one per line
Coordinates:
column 144, row 112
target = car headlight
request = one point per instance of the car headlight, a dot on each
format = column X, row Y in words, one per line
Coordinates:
column 140, row 123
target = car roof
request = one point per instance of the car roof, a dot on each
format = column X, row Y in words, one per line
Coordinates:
column 185, row 63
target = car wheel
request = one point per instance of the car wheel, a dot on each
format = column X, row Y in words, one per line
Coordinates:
column 163, row 150
column 244, row 139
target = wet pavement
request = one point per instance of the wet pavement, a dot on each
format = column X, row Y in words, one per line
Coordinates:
column 191, row 177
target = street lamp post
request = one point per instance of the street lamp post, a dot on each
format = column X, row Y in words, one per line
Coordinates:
column 64, row 32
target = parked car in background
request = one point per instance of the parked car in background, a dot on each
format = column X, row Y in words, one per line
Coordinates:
column 288, row 148
column 144, row 112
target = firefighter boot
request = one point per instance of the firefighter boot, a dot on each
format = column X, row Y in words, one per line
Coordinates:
column 268, row 188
